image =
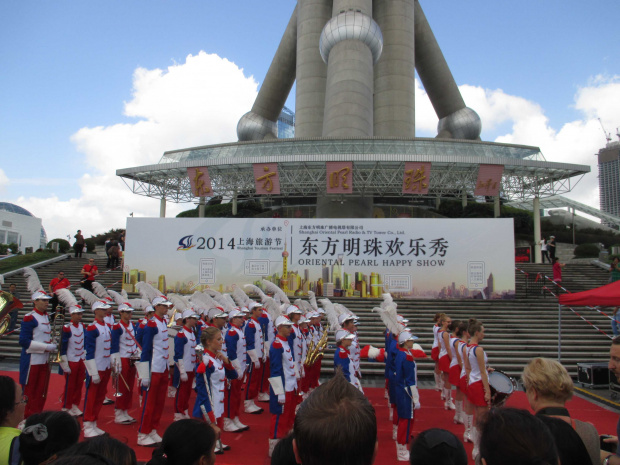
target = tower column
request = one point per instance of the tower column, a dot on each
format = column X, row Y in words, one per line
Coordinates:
column 350, row 44
column 394, row 73
column 162, row 208
column 311, row 71
column 536, row 208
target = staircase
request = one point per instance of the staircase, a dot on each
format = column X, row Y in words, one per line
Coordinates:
column 516, row 330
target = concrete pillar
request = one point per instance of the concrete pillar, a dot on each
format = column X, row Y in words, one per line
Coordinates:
column 162, row 208
column 201, row 207
column 261, row 122
column 394, row 73
column 311, row 70
column 350, row 76
column 437, row 202
column 464, row 199
column 536, row 207
column 234, row 204
column 496, row 207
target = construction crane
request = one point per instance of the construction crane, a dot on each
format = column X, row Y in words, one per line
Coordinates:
column 607, row 134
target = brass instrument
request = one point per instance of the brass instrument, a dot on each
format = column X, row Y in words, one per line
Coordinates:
column 59, row 319
column 320, row 347
column 7, row 303
column 172, row 321
column 309, row 353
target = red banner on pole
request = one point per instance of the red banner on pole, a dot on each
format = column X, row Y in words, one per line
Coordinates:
column 489, row 180
column 416, row 178
column 266, row 178
column 200, row 181
column 339, row 177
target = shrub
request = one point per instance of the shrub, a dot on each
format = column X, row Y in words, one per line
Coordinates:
column 587, row 251
column 90, row 245
column 63, row 245
column 5, row 247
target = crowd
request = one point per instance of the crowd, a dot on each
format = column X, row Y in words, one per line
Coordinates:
column 234, row 352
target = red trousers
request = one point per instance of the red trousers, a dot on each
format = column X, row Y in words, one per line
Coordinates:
column 255, row 375
column 38, row 378
column 281, row 424
column 153, row 402
column 264, row 377
column 126, row 382
column 95, row 393
column 73, row 384
column 181, row 401
column 233, row 403
column 394, row 414
column 405, row 428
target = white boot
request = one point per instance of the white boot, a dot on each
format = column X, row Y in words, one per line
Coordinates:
column 394, row 432
column 386, row 394
column 402, row 452
column 240, row 425
column 129, row 418
column 90, row 431
column 172, row 391
column 469, row 421
column 449, row 405
column 391, row 412
column 475, row 439
column 263, row 397
column 178, row 416
column 120, row 418
column 96, row 428
column 146, row 440
column 458, row 415
column 250, row 407
column 272, row 445
column 75, row 411
column 230, row 426
column 154, row 436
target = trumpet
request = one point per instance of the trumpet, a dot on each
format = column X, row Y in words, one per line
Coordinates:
column 59, row 321
column 172, row 321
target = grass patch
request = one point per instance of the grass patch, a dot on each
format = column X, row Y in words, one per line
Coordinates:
column 19, row 261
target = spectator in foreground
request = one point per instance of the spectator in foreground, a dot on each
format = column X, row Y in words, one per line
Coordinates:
column 512, row 436
column 335, row 425
column 437, row 447
column 283, row 453
column 186, row 442
column 12, row 405
column 104, row 449
column 45, row 435
column 548, row 387
column 614, row 365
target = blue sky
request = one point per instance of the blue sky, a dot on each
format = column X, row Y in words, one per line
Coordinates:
column 545, row 69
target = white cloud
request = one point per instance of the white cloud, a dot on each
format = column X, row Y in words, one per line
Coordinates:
column 198, row 102
column 4, row 181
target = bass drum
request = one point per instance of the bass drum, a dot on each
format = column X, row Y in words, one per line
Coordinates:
column 502, row 386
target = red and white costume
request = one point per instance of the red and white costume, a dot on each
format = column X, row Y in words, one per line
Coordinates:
column 73, row 354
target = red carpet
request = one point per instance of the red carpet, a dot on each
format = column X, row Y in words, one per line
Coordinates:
column 251, row 447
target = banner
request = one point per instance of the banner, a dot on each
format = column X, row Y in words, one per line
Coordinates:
column 410, row 258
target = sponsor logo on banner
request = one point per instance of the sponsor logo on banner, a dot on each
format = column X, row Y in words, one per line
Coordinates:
column 339, row 177
column 186, row 243
column 489, row 180
column 410, row 258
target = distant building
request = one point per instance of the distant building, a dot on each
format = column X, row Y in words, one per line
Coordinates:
column 19, row 226
column 609, row 179
column 286, row 124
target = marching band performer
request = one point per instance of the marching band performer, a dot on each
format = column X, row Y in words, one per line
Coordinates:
column 185, row 363
column 254, row 337
column 313, row 372
column 445, row 356
column 295, row 340
column 35, row 340
column 149, row 311
column 153, row 372
column 237, row 353
column 97, row 341
column 406, row 393
column 457, row 329
column 72, row 354
column 478, row 389
column 435, row 351
column 125, row 352
column 269, row 333
column 347, row 322
column 342, row 357
column 283, row 390
column 211, row 375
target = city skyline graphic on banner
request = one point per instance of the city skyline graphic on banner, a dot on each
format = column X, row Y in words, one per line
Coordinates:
column 332, row 258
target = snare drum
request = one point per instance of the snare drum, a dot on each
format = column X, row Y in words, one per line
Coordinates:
column 502, row 386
